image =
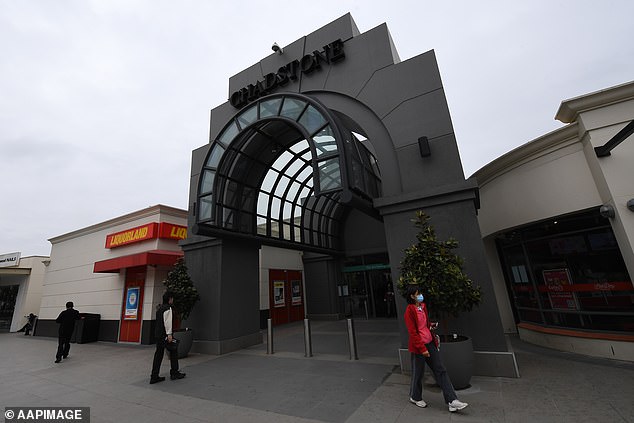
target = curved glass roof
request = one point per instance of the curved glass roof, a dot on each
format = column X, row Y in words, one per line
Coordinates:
column 275, row 171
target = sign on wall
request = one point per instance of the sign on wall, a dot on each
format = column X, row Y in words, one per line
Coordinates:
column 170, row 231
column 154, row 230
column 129, row 236
column 132, row 303
column 11, row 259
column 559, row 285
column 278, row 294
column 296, row 292
column 332, row 53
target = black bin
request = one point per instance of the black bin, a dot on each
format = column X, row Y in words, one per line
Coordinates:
column 87, row 329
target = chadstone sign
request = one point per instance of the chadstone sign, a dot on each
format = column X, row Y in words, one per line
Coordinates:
column 332, row 53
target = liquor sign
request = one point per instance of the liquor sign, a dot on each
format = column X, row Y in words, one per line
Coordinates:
column 162, row 230
column 130, row 236
column 171, row 231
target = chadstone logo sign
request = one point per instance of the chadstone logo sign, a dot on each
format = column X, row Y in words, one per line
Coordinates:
column 332, row 53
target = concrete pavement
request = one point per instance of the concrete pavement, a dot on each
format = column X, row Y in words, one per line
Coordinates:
column 252, row 386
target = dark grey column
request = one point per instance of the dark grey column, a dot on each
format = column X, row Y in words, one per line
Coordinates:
column 226, row 274
column 321, row 273
column 453, row 215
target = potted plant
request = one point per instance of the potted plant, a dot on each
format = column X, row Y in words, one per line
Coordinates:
column 185, row 297
column 437, row 271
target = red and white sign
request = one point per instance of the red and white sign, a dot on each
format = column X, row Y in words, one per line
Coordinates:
column 557, row 280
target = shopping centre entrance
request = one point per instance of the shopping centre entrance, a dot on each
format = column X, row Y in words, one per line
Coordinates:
column 328, row 147
column 367, row 291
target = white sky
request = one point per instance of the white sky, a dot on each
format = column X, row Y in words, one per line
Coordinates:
column 102, row 101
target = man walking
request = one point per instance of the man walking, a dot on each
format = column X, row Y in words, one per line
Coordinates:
column 66, row 320
column 164, row 336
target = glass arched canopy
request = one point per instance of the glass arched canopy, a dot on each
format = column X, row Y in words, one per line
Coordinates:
column 284, row 169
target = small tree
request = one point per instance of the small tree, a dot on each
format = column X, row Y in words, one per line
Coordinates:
column 432, row 266
column 185, row 293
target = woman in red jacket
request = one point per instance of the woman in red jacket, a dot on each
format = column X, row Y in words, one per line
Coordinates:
column 424, row 348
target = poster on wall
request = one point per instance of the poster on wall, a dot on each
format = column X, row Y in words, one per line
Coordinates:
column 296, row 292
column 558, row 284
column 132, row 303
column 278, row 294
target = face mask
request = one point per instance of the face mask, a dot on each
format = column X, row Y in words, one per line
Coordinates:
column 420, row 298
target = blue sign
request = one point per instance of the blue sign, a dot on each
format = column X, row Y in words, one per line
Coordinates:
column 132, row 303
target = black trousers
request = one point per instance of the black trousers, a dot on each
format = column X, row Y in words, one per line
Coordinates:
column 158, row 359
column 63, row 346
column 434, row 361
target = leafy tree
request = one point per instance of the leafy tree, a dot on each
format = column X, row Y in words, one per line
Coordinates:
column 185, row 293
column 436, row 270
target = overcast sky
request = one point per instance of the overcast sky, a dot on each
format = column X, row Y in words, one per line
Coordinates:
column 102, row 101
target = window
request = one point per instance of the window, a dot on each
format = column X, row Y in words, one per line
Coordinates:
column 569, row 273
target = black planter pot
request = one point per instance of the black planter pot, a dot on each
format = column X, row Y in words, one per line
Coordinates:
column 457, row 356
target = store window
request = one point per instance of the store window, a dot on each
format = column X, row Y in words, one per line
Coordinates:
column 568, row 272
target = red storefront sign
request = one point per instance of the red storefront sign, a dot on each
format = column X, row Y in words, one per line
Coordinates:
column 162, row 230
column 170, row 231
column 130, row 236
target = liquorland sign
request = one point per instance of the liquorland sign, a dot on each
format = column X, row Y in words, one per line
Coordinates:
column 149, row 231
column 332, row 53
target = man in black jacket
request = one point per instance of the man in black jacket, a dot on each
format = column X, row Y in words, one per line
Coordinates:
column 163, row 332
column 66, row 320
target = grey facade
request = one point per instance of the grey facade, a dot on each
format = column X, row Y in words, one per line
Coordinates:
column 368, row 106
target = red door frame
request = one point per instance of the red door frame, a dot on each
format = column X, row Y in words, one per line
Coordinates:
column 130, row 327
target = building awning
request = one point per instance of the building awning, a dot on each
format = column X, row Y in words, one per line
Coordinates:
column 148, row 258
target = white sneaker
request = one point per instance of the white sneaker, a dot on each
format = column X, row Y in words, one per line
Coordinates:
column 456, row 405
column 421, row 403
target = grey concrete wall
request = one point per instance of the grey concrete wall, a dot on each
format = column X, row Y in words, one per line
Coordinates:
column 226, row 276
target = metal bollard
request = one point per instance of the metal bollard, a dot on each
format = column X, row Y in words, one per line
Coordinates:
column 269, row 336
column 308, row 347
column 352, row 340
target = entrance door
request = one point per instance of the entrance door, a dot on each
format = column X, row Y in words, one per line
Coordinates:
column 132, row 312
column 286, row 296
column 8, row 295
column 369, row 293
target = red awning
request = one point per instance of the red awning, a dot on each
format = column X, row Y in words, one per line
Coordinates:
column 148, row 258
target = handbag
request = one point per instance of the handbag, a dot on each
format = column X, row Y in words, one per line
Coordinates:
column 172, row 346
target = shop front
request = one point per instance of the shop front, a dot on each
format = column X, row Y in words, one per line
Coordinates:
column 557, row 219
column 21, row 281
column 113, row 272
column 568, row 272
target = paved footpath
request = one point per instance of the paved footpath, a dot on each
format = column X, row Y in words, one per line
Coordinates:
column 252, row 386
